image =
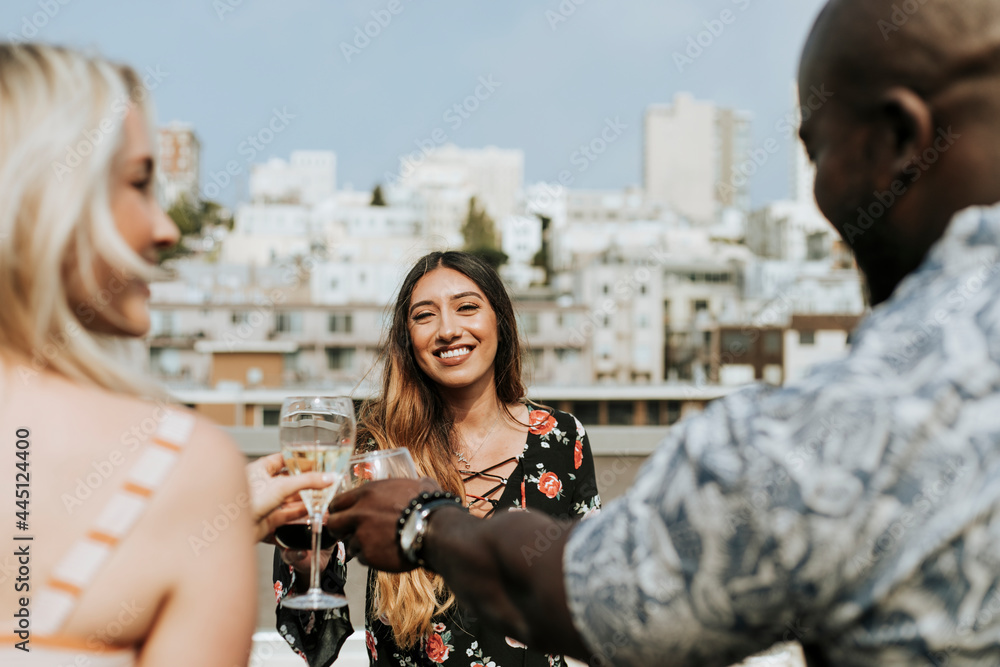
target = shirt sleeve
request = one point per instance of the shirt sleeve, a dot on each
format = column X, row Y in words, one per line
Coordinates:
column 319, row 635
column 725, row 539
column 586, row 498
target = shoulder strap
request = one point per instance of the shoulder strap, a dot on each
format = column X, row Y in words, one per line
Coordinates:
column 81, row 564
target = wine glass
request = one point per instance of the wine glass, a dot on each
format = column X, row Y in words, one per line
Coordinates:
column 381, row 464
column 317, row 435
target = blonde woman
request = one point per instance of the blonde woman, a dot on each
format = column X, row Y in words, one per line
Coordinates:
column 107, row 551
column 452, row 394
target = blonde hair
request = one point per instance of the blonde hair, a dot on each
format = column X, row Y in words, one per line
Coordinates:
column 61, row 126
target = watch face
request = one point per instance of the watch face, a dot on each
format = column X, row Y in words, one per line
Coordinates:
column 409, row 532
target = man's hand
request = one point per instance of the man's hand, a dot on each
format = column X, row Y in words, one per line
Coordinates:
column 366, row 519
column 274, row 499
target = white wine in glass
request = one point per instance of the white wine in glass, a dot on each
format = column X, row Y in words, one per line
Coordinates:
column 317, row 435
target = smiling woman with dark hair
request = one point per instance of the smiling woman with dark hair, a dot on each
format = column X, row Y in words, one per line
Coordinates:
column 452, row 394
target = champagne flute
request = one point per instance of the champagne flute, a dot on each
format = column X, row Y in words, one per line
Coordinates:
column 317, row 435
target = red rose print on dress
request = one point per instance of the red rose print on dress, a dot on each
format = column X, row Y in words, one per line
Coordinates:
column 578, row 455
column 541, row 422
column 513, row 643
column 550, row 485
column 437, row 651
column 278, row 588
column 370, row 643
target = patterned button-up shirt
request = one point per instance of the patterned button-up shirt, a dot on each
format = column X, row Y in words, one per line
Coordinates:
column 857, row 511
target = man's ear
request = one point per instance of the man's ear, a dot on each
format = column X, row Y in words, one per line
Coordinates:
column 907, row 124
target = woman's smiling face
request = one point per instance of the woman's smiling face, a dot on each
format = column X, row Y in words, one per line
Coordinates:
column 453, row 329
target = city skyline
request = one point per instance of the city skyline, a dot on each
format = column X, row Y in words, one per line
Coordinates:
column 543, row 78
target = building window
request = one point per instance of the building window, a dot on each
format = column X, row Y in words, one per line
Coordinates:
column 270, row 416
column 240, row 317
column 588, row 412
column 340, row 358
column 165, row 361
column 642, row 321
column 699, row 305
column 621, row 413
column 162, row 323
column 567, row 320
column 772, row 342
column 606, row 289
column 341, row 323
column 567, row 355
column 807, row 338
column 734, row 344
column 529, row 323
column 672, row 414
column 288, row 322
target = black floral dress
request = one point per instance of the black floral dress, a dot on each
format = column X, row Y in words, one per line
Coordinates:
column 555, row 474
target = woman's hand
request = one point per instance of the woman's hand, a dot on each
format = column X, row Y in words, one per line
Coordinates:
column 274, row 499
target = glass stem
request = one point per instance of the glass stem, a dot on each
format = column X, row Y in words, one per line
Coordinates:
column 314, row 573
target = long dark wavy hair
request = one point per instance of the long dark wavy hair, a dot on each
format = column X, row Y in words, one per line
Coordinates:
column 411, row 412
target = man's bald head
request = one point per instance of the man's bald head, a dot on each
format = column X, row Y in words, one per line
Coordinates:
column 924, row 45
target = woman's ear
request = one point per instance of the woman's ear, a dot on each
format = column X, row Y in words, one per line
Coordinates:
column 906, row 125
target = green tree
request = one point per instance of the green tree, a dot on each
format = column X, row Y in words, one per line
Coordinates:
column 480, row 235
column 541, row 258
column 193, row 219
column 378, row 199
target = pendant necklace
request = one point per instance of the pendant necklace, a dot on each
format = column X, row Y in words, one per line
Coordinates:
column 461, row 455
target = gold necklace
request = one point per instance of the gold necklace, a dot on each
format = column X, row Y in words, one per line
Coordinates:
column 461, row 455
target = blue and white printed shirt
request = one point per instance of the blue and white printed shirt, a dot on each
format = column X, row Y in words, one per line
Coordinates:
column 857, row 511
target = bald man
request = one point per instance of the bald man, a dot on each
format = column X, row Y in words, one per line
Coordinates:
column 857, row 511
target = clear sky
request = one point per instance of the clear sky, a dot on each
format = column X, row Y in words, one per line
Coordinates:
column 559, row 71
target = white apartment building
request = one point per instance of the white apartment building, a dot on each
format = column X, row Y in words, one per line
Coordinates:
column 307, row 178
column 692, row 149
column 815, row 339
column 178, row 164
column 820, row 287
column 613, row 206
column 448, row 176
column 521, row 241
column 790, row 231
column 264, row 233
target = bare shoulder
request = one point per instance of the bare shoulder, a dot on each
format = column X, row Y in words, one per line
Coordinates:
column 211, row 464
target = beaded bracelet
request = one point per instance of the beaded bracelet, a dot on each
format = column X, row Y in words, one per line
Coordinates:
column 412, row 525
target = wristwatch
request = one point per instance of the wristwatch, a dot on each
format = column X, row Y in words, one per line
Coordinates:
column 413, row 523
